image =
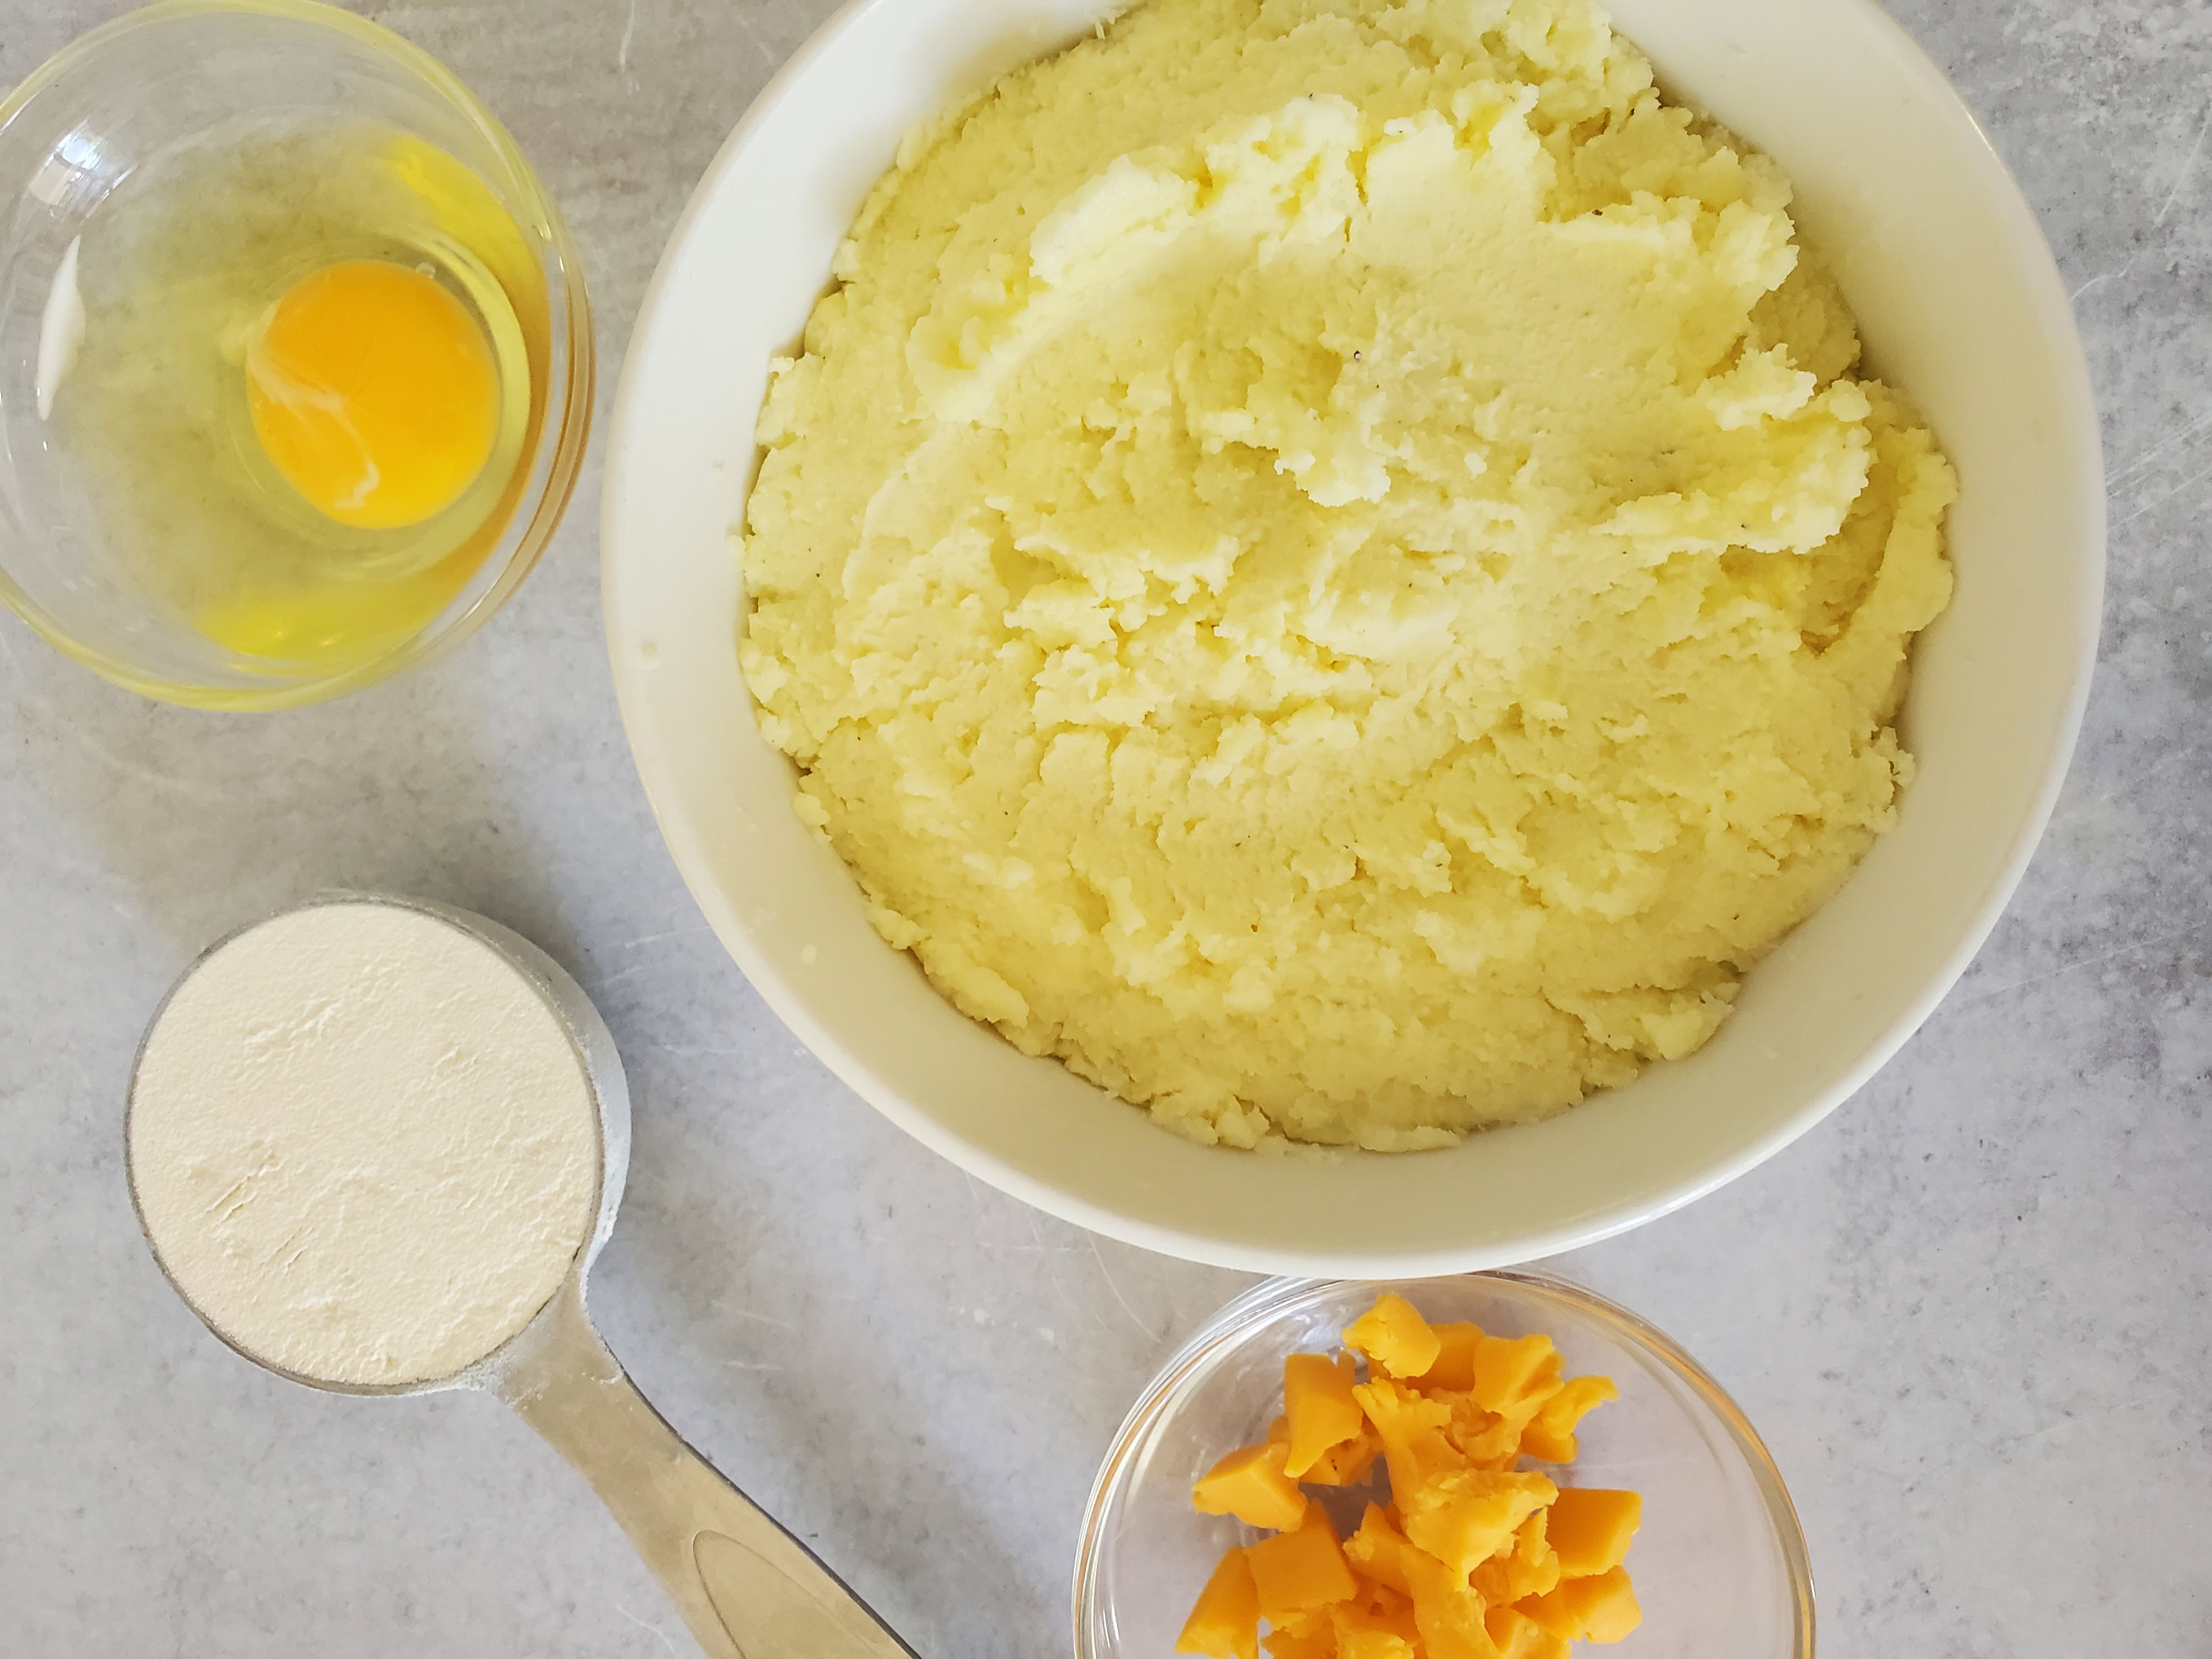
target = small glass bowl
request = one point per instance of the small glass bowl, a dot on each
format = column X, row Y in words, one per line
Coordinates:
column 136, row 90
column 1719, row 1566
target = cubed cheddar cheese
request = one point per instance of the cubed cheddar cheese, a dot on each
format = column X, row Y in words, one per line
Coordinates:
column 1529, row 1568
column 1225, row 1623
column 1412, row 1429
column 1599, row 1609
column 1465, row 1517
column 1250, row 1484
column 1519, row 1637
column 1513, row 1376
column 1486, row 1440
column 1307, row 1621
column 1378, row 1625
column 1454, row 1366
column 1376, row 1549
column 1345, row 1464
column 1475, row 1558
column 1375, row 1644
column 1349, row 1462
column 1318, row 1403
column 1394, row 1337
column 1370, row 1630
column 1537, row 1392
column 1590, row 1529
column 1300, row 1645
column 1547, row 1447
column 1299, row 1572
column 1448, row 1615
column 1550, row 1436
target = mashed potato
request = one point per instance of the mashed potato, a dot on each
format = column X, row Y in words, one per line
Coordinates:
column 1322, row 563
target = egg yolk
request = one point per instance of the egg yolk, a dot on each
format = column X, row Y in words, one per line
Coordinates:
column 374, row 392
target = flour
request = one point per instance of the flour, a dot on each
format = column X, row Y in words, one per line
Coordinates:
column 363, row 1145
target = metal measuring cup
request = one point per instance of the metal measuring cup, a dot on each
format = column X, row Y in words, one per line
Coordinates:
column 747, row 1589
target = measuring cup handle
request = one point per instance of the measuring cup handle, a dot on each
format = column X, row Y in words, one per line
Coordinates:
column 747, row 1587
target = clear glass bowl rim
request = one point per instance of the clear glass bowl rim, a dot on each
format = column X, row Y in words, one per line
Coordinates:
column 1270, row 1299
column 568, row 427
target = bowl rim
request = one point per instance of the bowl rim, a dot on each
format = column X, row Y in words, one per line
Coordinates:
column 1272, row 1298
column 620, row 546
column 562, row 444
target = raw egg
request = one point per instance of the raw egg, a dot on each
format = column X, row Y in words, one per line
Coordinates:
column 374, row 392
column 301, row 367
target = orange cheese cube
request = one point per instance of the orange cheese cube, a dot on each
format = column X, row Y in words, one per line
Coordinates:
column 1599, row 1609
column 1512, row 1376
column 1486, row 1439
column 1225, row 1623
column 1546, row 1447
column 1379, row 1625
column 1446, row 1612
column 1476, row 1557
column 1394, row 1337
column 1412, row 1429
column 1464, row 1516
column 1529, row 1568
column 1550, row 1436
column 1375, row 1644
column 1454, row 1366
column 1537, row 1392
column 1318, row 1402
column 1347, row 1462
column 1250, row 1484
column 1375, row 1550
column 1301, row 1644
column 1590, row 1529
column 1307, row 1621
column 1520, row 1637
column 1298, row 1571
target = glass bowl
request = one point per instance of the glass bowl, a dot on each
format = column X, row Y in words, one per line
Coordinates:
column 140, row 90
column 1719, row 1566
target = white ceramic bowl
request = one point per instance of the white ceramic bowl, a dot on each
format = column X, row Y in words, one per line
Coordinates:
column 1960, row 304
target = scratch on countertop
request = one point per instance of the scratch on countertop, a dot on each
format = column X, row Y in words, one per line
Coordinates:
column 2132, row 784
column 975, row 1191
column 747, row 1313
column 1107, row 1274
column 2100, row 280
column 2187, row 434
column 81, row 739
column 2014, row 1442
column 643, row 1624
column 2176, row 464
column 2187, row 168
column 1067, row 1298
column 673, row 932
column 746, row 28
column 2196, row 477
column 2102, row 957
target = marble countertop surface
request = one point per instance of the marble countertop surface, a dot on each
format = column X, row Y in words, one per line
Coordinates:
column 1971, row 1313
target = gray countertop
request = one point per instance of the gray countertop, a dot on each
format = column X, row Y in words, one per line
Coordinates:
column 1971, row 1313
